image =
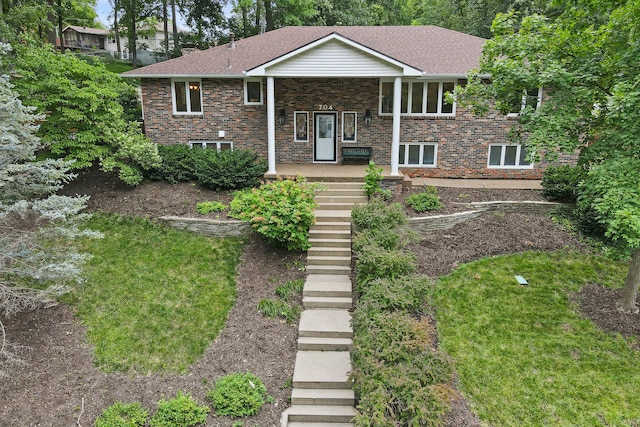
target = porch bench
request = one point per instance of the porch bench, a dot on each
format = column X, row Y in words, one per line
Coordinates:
column 357, row 153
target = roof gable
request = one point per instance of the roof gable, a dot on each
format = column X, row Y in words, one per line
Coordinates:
column 335, row 56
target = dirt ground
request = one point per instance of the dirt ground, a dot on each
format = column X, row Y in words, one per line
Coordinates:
column 59, row 386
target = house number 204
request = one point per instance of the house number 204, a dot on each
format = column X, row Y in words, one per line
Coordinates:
column 325, row 107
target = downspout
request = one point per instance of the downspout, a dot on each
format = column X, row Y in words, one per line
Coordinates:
column 395, row 136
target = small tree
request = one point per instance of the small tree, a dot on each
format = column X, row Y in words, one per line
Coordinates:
column 85, row 120
column 33, row 269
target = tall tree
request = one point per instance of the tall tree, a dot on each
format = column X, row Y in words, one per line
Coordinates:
column 32, row 272
column 587, row 60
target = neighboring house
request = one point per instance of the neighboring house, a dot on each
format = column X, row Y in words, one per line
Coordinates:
column 84, row 39
column 148, row 42
column 302, row 94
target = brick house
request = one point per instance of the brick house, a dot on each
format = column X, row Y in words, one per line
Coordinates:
column 304, row 95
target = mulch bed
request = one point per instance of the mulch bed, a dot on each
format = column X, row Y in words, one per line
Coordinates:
column 59, row 385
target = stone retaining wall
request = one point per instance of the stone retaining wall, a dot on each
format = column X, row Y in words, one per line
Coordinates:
column 209, row 227
column 444, row 222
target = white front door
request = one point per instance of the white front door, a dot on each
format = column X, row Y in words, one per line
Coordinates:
column 325, row 137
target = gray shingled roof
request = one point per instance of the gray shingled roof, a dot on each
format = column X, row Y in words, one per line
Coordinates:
column 87, row 30
column 434, row 50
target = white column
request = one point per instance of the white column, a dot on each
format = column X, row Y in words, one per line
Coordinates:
column 395, row 136
column 271, row 126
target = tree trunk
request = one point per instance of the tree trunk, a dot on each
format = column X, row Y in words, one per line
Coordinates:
column 116, row 27
column 60, row 28
column 630, row 290
column 51, row 17
column 132, row 34
column 268, row 15
column 176, row 39
column 245, row 22
column 165, row 22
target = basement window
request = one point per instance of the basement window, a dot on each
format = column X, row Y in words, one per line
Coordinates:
column 212, row 145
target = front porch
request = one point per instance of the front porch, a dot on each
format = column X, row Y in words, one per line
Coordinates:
column 334, row 172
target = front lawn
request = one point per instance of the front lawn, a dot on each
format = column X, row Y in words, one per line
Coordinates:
column 154, row 298
column 524, row 355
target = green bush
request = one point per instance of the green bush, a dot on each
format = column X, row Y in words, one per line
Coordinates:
column 230, row 169
column 404, row 293
column 123, row 415
column 177, row 164
column 560, row 183
column 204, row 208
column 378, row 214
column 373, row 182
column 399, row 375
column 281, row 211
column 428, row 200
column 374, row 262
column 278, row 308
column 181, row 411
column 238, row 395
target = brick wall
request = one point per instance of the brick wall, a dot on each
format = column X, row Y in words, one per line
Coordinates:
column 463, row 141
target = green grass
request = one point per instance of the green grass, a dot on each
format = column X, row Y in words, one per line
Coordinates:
column 154, row 298
column 118, row 67
column 524, row 355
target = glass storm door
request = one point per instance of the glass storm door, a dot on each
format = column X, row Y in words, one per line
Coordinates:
column 325, row 137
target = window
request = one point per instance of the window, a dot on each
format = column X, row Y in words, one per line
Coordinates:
column 187, row 97
column 418, row 98
column 253, row 92
column 418, row 155
column 212, row 145
column 529, row 97
column 508, row 156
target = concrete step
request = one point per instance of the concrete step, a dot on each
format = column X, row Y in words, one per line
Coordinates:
column 329, row 251
column 331, row 225
column 342, row 191
column 330, row 234
column 321, row 413
column 326, row 285
column 324, row 344
column 320, row 396
column 310, row 424
column 326, row 215
column 342, row 184
column 322, row 369
column 330, row 198
column 322, row 323
column 329, row 260
column 336, row 205
column 327, row 302
column 320, row 243
column 328, row 269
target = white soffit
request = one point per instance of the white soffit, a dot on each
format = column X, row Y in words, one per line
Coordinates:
column 334, row 56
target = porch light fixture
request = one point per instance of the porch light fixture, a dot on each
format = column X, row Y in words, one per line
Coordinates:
column 282, row 117
column 367, row 117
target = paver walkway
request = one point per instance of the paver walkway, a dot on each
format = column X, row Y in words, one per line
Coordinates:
column 322, row 394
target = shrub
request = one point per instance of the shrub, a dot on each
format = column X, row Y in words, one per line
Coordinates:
column 204, row 208
column 560, row 183
column 378, row 214
column 281, row 211
column 123, row 415
column 428, row 200
column 238, row 395
column 181, row 411
column 177, row 164
column 372, row 179
column 374, row 262
column 230, row 169
column 277, row 308
column 400, row 378
column 405, row 293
